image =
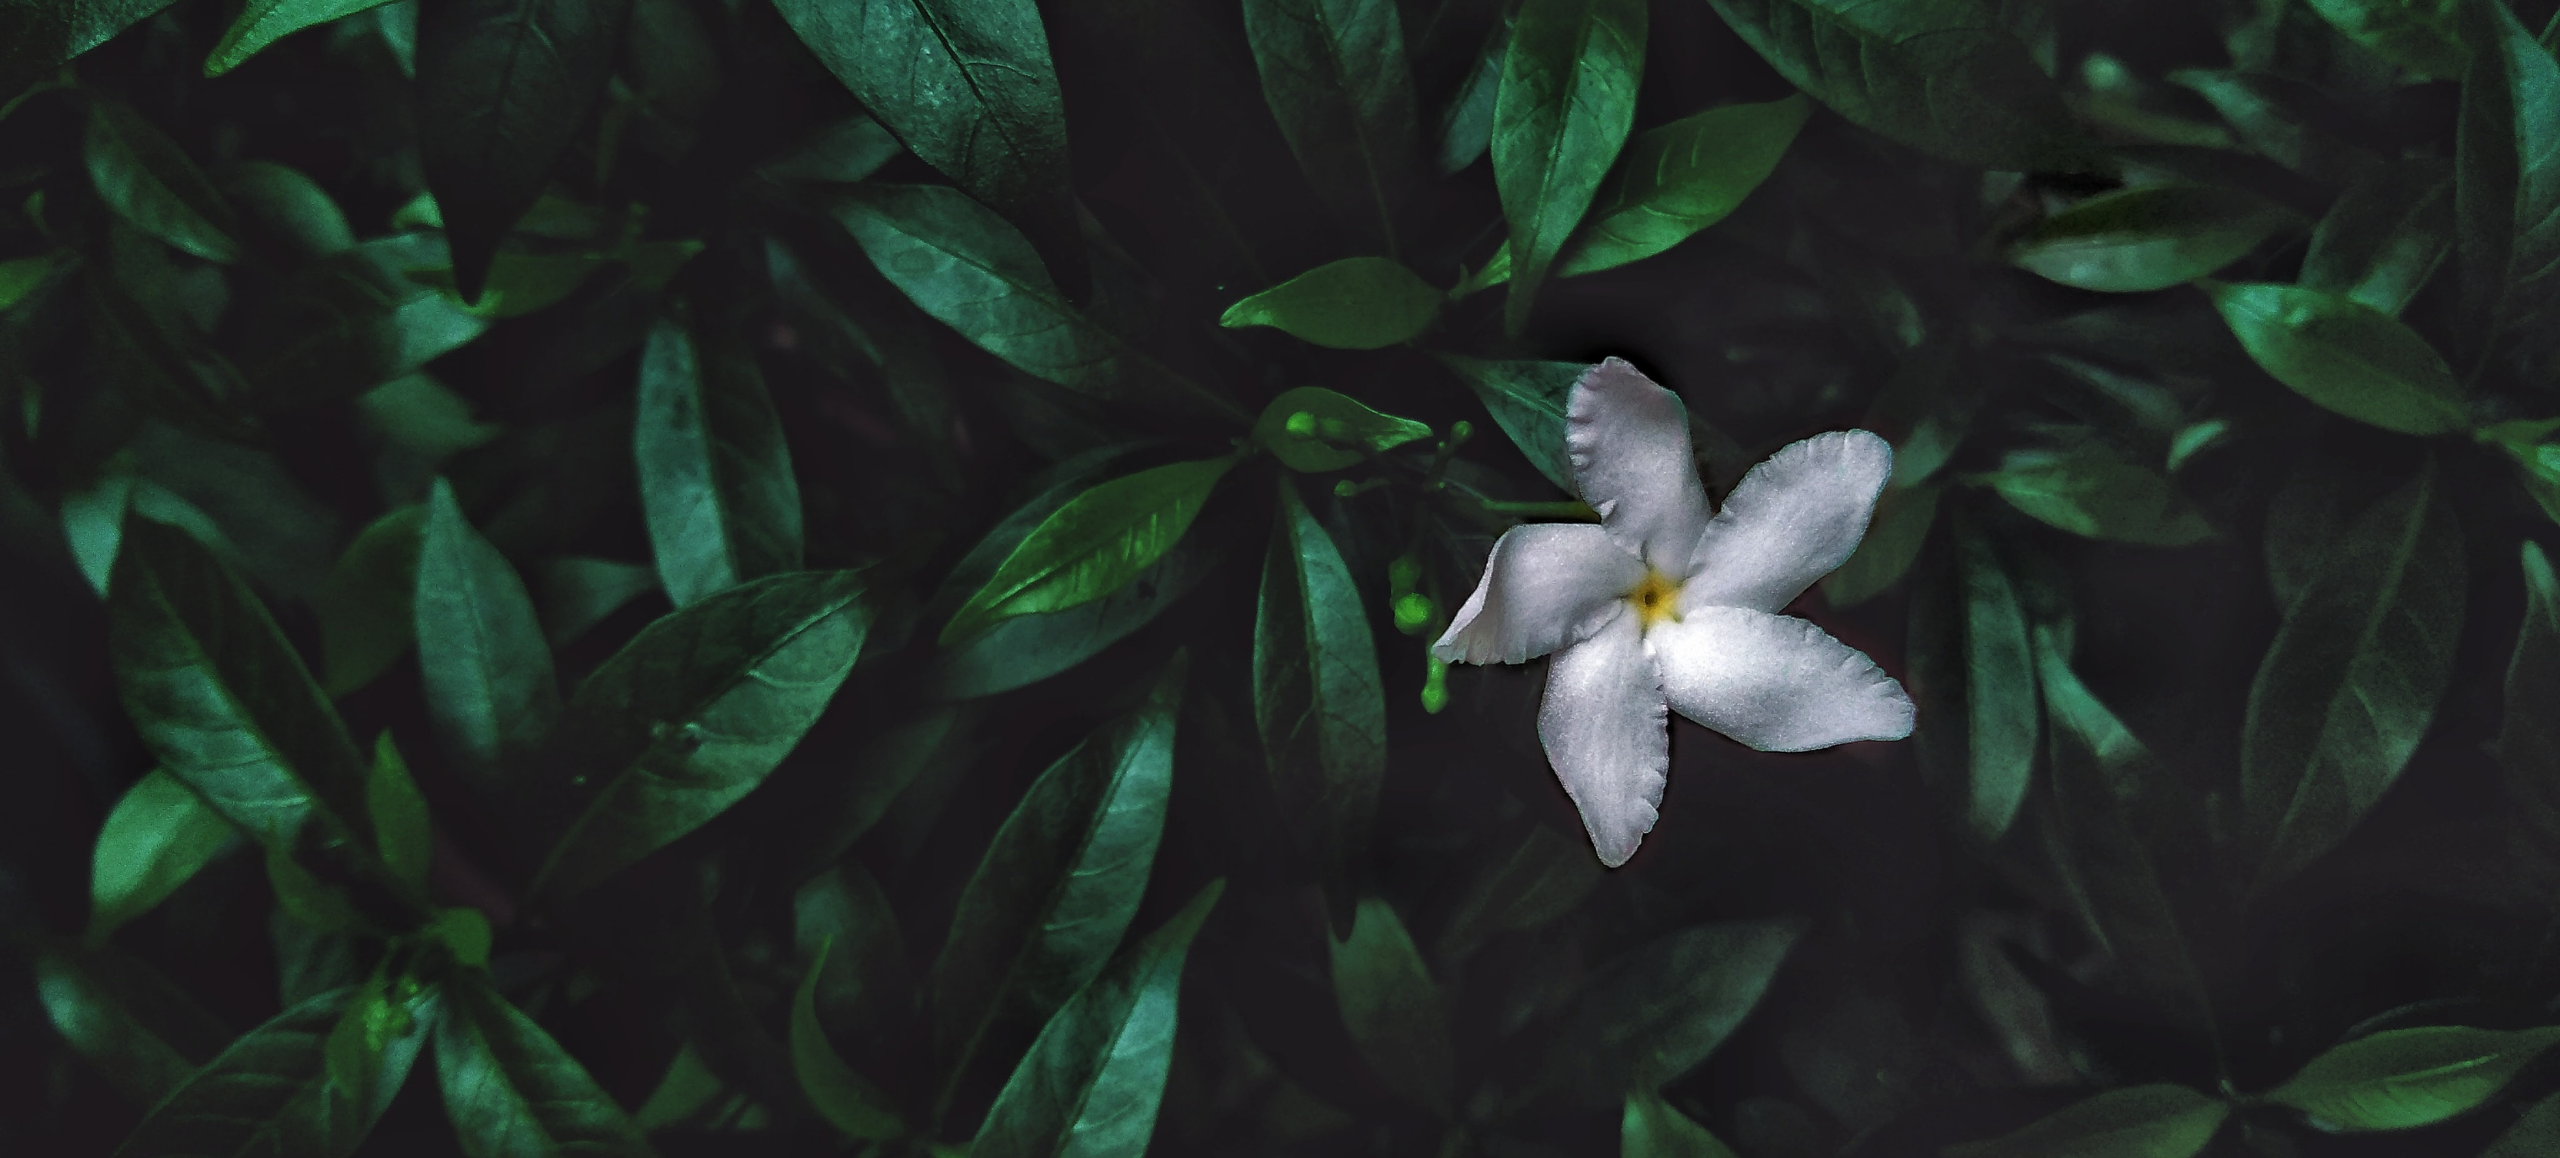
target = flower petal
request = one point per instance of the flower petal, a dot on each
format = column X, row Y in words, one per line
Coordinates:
column 1791, row 521
column 1775, row 682
column 1629, row 440
column 1606, row 732
column 1545, row 586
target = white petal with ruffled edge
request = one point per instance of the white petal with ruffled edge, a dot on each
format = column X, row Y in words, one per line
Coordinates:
column 1629, row 440
column 1791, row 521
column 1545, row 586
column 1605, row 729
column 1774, row 682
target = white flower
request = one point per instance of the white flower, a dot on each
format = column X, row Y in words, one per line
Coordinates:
column 1664, row 605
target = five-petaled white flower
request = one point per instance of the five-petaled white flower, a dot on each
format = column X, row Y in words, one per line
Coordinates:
column 1664, row 603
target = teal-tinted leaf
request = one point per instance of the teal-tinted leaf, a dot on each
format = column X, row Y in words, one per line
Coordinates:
column 716, row 487
column 93, row 524
column 2155, row 1121
column 2147, row 239
column 309, row 961
column 847, row 1100
column 521, row 283
column 2347, row 689
column 156, row 838
column 345, row 324
column 143, row 1034
column 2536, row 1133
column 2529, row 736
column 19, row 276
column 36, row 37
column 2537, row 462
column 263, row 22
column 1026, row 649
column 864, row 983
column 2404, row 1078
column 1567, row 99
column 2385, row 236
column 512, row 1092
column 366, row 618
column 687, row 1089
column 576, row 593
column 464, row 933
column 842, row 153
column 1060, row 882
column 1393, row 1010
column 1527, row 400
column 148, row 180
column 1650, row 1128
column 2091, row 491
column 1096, row 543
column 2506, row 192
column 887, row 763
column 503, row 87
column 1682, row 178
column 1319, row 704
column 2417, row 35
column 2000, row 724
column 288, row 210
column 307, row 899
column 1466, row 124
column 1895, row 534
column 2344, row 355
column 481, row 652
column 413, row 424
column 1315, row 429
column 1942, row 76
column 1335, row 75
column 695, row 712
column 1357, row 303
column 399, row 815
column 1542, row 879
column 1655, row 1013
column 2288, row 121
column 1091, row 1083
column 271, row 1090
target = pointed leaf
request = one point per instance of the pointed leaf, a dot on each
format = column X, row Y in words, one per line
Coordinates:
column 1357, row 303
column 1334, row 73
column 367, row 617
column 2155, row 1121
column 143, row 1034
column 2147, row 239
column 2507, row 174
column 1567, row 99
column 847, row 1100
column 1527, row 400
column 2385, row 236
column 716, row 487
column 156, row 838
column 1315, row 429
column 1682, row 178
column 1092, row 546
column 2403, row 1078
column 1650, row 1128
column 345, row 324
column 2529, row 736
column 1655, row 1013
column 481, row 653
column 1319, row 704
column 2000, row 725
column 512, row 1092
column 2344, row 355
column 148, row 180
column 399, row 816
column 2418, row 35
column 1393, row 1009
column 271, row 1090
column 2090, row 491
column 1899, row 528
column 263, row 22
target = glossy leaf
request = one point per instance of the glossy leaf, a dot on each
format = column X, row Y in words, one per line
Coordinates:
column 2506, row 194
column 263, row 22
column 398, row 815
column 1527, row 400
column 271, row 1089
column 1335, row 76
column 512, row 1092
column 847, row 1100
column 2528, row 736
column 156, row 838
column 1357, row 303
column 2351, row 683
column 1567, row 100
column 36, row 37
column 283, row 208
column 2418, row 35
column 1650, row 1128
column 1092, row 1081
column 2344, row 355
column 716, row 487
column 695, row 712
column 2147, row 239
column 1315, row 429
column 1090, row 547
column 2090, row 491
column 1653, row 1014
column 2154, row 1121
column 2385, row 236
column 2404, row 1078
column 148, row 180
column 1026, row 649
column 1393, row 1009
column 1319, row 704
column 481, row 655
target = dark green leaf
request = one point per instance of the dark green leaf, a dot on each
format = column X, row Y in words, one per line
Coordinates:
column 1655, row 1013
column 1567, row 99
column 1527, row 400
column 2344, row 355
column 2385, row 236
column 19, row 276
column 1334, row 73
column 847, row 1100
column 1093, row 1080
column 519, row 283
column 2417, row 35
column 1942, row 76
column 156, row 838
column 2155, row 1121
column 148, row 180
column 1466, row 123
column 2285, row 120
column 1650, row 1128
column 695, row 712
column 263, row 22
column 2529, row 736
column 1895, row 534
column 1682, row 178
column 2091, row 491
column 271, row 1091
column 345, row 324
column 1315, row 429
column 1026, row 649
column 1357, row 303
column 503, row 88
column 36, row 37
column 841, row 153
column 864, row 984
column 715, row 474
column 2537, row 462
column 2403, row 1078
column 2506, row 192
column 578, row 593
column 887, row 763
column 366, row 617
column 281, row 206
column 1092, row 546
column 143, row 1034
column 1542, row 879
column 2536, row 1133
column 512, row 1092
column 1060, row 882
column 1319, row 705
column 399, row 816
column 2000, row 725
column 481, row 653
column 2146, row 239
column 2347, row 689
column 1393, row 1009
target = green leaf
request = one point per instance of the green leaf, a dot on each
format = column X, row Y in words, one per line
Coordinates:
column 1091, row 1083
column 1650, row 1128
column 148, row 180
column 886, row 764
column 481, row 652
column 1092, row 546
column 1357, row 303
column 263, row 22
column 36, row 37
column 2418, row 35
column 464, row 933
column 1026, row 649
column 1542, row 879
column 156, row 838
column 1466, row 123
column 1315, row 429
column 1942, row 76
column 19, row 276
column 847, row 1100
column 842, row 153
column 716, row 487
column 2506, row 193
column 520, row 283
column 512, row 1092
column 2000, row 725
column 578, row 593
column 1895, row 534
column 345, row 324
column 967, row 86
column 399, row 816
column 271, row 1090
column 2287, row 121
column 2092, row 492
column 1319, row 704
column 2344, row 355
column 1655, row 1013
column 1567, row 99
column 503, row 88
column 1527, row 400
column 367, row 614
column 1335, row 76
column 2134, row 240
column 1681, row 178
column 1060, row 882
column 2403, row 1078
column 1393, row 1009
column 865, row 984
column 284, row 208
column 2385, row 236
column 2348, row 688
column 306, row 899
column 2155, row 1121
column 2528, row 737
column 2536, row 1133
column 695, row 712
column 144, row 1035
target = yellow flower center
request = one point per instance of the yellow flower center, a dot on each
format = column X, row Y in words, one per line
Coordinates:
column 1656, row 599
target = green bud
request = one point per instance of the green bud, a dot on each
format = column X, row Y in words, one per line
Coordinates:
column 1402, row 573
column 1301, row 425
column 1413, row 612
column 1435, row 686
